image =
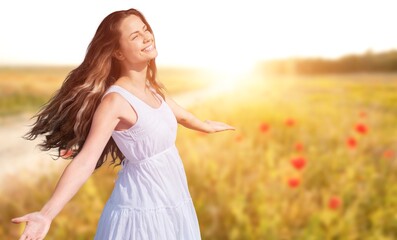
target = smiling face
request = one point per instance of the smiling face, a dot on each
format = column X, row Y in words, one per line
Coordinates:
column 137, row 45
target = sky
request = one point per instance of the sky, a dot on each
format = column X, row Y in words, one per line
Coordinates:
column 204, row 33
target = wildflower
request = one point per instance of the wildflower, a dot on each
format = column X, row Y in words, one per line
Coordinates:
column 388, row 154
column 299, row 147
column 293, row 182
column 290, row 122
column 351, row 142
column 298, row 162
column 334, row 202
column 361, row 128
column 264, row 127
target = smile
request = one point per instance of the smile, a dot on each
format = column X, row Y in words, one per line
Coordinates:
column 148, row 49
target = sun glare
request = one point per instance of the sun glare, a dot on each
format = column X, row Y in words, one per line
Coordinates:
column 230, row 74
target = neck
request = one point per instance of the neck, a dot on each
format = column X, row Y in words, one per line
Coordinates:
column 135, row 76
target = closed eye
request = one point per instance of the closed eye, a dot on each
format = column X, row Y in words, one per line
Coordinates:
column 144, row 28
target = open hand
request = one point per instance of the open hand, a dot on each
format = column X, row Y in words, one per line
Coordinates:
column 219, row 126
column 37, row 226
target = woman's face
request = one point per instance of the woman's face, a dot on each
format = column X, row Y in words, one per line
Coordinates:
column 136, row 42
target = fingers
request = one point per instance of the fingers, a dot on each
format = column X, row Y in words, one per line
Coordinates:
column 20, row 219
column 224, row 126
column 219, row 126
column 26, row 236
column 36, row 226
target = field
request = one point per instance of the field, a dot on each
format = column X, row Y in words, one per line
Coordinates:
column 27, row 88
column 312, row 158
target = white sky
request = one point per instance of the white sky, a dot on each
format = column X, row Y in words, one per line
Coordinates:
column 201, row 33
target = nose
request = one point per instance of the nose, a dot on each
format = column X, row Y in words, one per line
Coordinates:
column 147, row 37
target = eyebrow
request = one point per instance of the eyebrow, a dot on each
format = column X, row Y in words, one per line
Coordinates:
column 137, row 30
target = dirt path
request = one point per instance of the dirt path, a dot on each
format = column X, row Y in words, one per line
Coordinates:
column 22, row 157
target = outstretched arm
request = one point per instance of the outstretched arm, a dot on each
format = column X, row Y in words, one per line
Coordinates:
column 187, row 119
column 77, row 172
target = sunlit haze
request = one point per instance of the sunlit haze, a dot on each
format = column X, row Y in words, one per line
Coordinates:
column 219, row 34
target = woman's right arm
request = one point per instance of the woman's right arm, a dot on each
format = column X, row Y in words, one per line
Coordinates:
column 77, row 172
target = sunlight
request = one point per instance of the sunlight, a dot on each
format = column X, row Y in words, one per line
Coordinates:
column 231, row 73
column 258, row 30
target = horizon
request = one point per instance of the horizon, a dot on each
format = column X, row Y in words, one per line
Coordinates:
column 56, row 65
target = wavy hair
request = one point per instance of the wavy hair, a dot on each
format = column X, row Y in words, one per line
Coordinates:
column 65, row 120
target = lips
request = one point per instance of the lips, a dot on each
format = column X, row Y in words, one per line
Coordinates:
column 149, row 48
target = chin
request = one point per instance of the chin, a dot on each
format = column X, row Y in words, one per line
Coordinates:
column 154, row 53
column 152, row 56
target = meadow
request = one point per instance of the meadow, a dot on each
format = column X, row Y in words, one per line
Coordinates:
column 312, row 158
column 25, row 89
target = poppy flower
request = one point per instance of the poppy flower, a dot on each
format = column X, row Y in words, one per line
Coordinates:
column 290, row 122
column 388, row 154
column 299, row 147
column 293, row 182
column 334, row 202
column 361, row 128
column 298, row 162
column 264, row 127
column 351, row 142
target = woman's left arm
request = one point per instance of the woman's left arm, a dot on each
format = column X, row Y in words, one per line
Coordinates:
column 187, row 119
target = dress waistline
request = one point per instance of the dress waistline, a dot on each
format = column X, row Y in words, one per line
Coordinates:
column 129, row 161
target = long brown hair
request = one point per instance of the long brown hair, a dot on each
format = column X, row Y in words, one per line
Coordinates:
column 65, row 120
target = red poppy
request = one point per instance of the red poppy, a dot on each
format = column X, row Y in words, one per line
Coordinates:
column 290, row 122
column 65, row 153
column 334, row 202
column 293, row 182
column 351, row 142
column 361, row 128
column 388, row 154
column 264, row 127
column 298, row 162
column 299, row 147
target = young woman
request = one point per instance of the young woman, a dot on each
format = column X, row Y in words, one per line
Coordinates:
column 112, row 105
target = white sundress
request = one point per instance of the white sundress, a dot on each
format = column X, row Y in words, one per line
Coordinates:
column 150, row 199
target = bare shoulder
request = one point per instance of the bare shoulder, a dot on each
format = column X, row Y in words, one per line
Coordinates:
column 116, row 105
column 113, row 102
column 112, row 99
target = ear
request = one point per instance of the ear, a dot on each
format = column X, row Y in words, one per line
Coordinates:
column 118, row 54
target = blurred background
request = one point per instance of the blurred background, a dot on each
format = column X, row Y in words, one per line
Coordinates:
column 309, row 85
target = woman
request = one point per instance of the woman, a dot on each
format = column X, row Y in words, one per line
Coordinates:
column 114, row 93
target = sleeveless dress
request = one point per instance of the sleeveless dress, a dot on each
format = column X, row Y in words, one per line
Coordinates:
column 150, row 199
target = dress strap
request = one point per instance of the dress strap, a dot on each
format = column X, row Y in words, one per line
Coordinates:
column 158, row 96
column 131, row 99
